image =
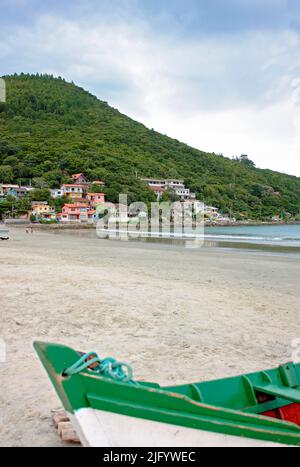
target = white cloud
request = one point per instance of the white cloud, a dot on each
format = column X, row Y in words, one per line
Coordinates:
column 229, row 94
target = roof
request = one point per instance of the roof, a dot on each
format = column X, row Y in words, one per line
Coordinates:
column 157, row 188
column 74, row 184
column 98, row 182
column 76, row 205
column 78, row 175
column 95, row 194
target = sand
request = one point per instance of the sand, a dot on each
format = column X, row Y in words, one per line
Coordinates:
column 175, row 314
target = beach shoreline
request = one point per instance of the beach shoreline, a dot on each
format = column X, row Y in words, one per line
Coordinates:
column 176, row 315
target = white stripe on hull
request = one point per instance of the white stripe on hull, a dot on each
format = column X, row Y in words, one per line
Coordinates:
column 97, row 428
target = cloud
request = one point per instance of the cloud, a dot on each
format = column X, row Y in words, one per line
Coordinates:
column 223, row 93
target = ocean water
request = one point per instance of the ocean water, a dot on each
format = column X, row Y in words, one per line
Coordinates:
column 281, row 235
column 266, row 238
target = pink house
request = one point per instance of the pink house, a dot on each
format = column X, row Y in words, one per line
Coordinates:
column 95, row 198
column 77, row 212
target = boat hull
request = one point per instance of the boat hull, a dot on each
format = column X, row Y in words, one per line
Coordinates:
column 97, row 428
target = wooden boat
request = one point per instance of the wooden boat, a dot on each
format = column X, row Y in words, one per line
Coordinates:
column 109, row 409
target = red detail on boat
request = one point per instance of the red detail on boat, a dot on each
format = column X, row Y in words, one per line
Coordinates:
column 289, row 413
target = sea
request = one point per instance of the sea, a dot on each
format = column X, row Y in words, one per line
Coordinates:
column 287, row 235
column 265, row 238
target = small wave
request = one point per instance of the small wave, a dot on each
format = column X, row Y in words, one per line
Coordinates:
column 235, row 237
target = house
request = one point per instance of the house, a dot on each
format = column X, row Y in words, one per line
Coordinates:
column 158, row 190
column 179, row 188
column 77, row 212
column 41, row 210
column 22, row 191
column 73, row 191
column 92, row 216
column 98, row 183
column 79, row 179
column 9, row 190
column 161, row 185
column 95, row 198
column 57, row 193
column 211, row 211
column 15, row 190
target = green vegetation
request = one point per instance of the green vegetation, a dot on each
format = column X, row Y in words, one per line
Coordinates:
column 50, row 129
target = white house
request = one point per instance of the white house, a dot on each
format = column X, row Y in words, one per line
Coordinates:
column 57, row 193
column 161, row 185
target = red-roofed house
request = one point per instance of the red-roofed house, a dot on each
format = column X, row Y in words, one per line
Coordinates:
column 79, row 179
column 77, row 212
column 158, row 190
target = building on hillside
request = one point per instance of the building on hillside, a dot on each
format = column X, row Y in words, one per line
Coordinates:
column 77, row 212
column 16, row 190
column 155, row 182
column 95, row 198
column 23, row 191
column 41, row 210
column 92, row 216
column 211, row 211
column 161, row 185
column 158, row 190
column 9, row 189
column 57, row 193
column 73, row 191
column 79, row 179
column 98, row 183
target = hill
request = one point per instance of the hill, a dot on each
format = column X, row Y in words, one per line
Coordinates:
column 50, row 129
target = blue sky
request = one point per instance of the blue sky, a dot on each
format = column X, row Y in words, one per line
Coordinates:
column 221, row 75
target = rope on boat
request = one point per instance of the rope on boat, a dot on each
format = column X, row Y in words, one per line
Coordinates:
column 108, row 367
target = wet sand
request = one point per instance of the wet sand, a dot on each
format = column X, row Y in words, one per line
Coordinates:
column 175, row 314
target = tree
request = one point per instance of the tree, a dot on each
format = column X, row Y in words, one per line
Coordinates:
column 244, row 159
column 41, row 194
column 6, row 174
column 170, row 195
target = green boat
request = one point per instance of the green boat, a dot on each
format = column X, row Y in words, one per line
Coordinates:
column 108, row 408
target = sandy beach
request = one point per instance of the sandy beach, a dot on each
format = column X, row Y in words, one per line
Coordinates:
column 174, row 314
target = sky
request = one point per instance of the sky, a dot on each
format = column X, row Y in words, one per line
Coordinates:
column 220, row 75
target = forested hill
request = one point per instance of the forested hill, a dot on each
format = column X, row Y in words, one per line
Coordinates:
column 50, row 129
